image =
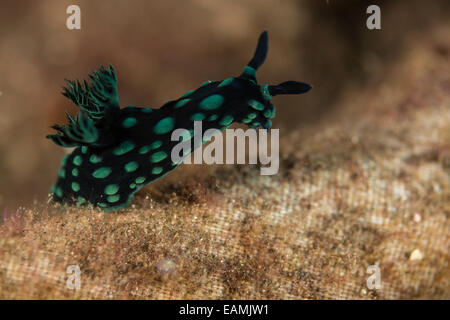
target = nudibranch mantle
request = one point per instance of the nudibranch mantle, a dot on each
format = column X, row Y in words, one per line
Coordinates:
column 118, row 151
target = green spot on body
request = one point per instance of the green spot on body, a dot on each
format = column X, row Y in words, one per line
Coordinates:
column 53, row 188
column 158, row 156
column 75, row 172
column 62, row 173
column 187, row 93
column 77, row 160
column 226, row 82
column 205, row 83
column 131, row 166
column 213, row 117
column 75, row 186
column 132, row 186
column 84, row 149
column 212, row 102
column 113, row 199
column 95, row 159
column 156, row 144
column 101, row 173
column 181, row 103
column 140, row 179
column 164, row 125
column 129, row 122
column 198, row 117
column 267, row 113
column 123, row 148
column 265, row 92
column 59, row 192
column 146, row 110
column 247, row 120
column 226, row 120
column 187, row 135
column 81, row 200
column 103, row 205
column 249, row 71
column 251, row 115
column 157, row 170
column 256, row 105
column 111, row 189
column 64, row 159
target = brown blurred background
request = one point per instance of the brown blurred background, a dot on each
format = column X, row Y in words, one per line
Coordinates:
column 160, row 49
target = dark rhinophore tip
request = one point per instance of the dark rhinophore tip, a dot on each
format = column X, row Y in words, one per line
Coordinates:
column 260, row 52
column 289, row 87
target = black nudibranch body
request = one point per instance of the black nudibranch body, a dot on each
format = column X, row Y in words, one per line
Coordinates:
column 118, row 151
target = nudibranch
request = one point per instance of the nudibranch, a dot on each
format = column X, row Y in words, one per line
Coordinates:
column 118, row 151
